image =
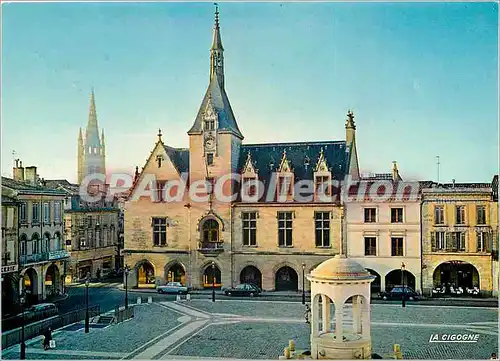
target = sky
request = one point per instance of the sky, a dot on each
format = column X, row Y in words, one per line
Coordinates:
column 421, row 79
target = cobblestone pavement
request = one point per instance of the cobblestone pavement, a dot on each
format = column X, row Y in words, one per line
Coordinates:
column 260, row 330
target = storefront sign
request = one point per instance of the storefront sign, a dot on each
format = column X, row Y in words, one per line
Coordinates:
column 6, row 269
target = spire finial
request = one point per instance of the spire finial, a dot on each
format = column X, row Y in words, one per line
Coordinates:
column 159, row 135
column 216, row 15
column 350, row 120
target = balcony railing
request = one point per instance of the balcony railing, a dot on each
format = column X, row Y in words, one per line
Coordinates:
column 34, row 258
column 211, row 248
column 58, row 255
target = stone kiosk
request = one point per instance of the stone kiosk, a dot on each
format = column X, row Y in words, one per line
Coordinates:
column 344, row 285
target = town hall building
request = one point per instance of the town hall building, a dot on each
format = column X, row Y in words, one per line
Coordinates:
column 271, row 242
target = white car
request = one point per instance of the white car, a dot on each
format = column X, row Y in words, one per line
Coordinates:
column 173, row 287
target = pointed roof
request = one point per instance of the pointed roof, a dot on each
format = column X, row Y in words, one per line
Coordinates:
column 349, row 123
column 92, row 132
column 217, row 42
column 216, row 96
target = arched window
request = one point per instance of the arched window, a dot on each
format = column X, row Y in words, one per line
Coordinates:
column 46, row 242
column 211, row 231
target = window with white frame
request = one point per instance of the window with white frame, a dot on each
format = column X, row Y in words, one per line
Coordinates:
column 159, row 231
column 460, row 215
column 440, row 240
column 482, row 241
column 23, row 216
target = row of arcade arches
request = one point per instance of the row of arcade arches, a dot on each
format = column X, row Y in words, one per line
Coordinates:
column 286, row 278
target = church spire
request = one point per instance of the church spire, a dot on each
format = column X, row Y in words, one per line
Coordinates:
column 216, row 52
column 92, row 112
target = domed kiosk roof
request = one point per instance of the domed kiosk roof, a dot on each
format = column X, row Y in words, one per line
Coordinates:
column 340, row 268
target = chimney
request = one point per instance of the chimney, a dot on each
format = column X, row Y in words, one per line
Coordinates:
column 18, row 171
column 30, row 174
column 395, row 171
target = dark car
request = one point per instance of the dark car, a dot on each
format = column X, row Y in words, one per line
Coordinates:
column 397, row 294
column 245, row 289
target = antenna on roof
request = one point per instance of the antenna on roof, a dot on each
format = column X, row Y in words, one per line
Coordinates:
column 438, row 163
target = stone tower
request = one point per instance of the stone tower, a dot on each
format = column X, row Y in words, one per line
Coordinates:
column 91, row 149
column 214, row 138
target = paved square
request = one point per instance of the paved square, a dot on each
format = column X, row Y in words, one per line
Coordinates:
column 261, row 329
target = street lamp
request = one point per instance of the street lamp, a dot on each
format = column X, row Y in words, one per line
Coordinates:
column 403, row 301
column 126, row 271
column 22, row 300
column 213, row 281
column 303, row 284
column 87, row 281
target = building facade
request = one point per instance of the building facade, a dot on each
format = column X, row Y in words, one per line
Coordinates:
column 10, row 256
column 270, row 241
column 459, row 238
column 384, row 235
column 91, row 231
column 91, row 148
column 42, row 259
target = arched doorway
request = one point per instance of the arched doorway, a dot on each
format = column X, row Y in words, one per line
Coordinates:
column 456, row 277
column 176, row 273
column 146, row 275
column 9, row 295
column 30, row 286
column 375, row 285
column 251, row 274
column 52, row 281
column 286, row 279
column 208, row 277
column 394, row 278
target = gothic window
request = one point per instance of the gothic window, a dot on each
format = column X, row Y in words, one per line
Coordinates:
column 159, row 231
column 285, row 223
column 210, row 124
column 249, row 228
column 210, row 230
column 322, row 225
column 251, row 186
column 285, row 185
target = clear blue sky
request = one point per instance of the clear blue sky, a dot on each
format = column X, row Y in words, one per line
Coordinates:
column 421, row 78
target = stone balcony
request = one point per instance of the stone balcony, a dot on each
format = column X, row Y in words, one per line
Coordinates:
column 211, row 248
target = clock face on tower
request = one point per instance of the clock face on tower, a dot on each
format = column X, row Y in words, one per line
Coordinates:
column 210, row 143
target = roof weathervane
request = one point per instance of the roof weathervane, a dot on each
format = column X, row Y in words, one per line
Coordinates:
column 159, row 135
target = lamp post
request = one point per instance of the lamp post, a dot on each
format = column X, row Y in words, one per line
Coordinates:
column 213, row 281
column 403, row 300
column 22, row 300
column 303, row 284
column 126, row 271
column 87, row 281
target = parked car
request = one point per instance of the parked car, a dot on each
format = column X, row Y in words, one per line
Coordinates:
column 245, row 289
column 397, row 294
column 40, row 311
column 173, row 287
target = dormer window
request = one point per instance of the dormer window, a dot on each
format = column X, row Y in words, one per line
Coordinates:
column 251, row 186
column 285, row 186
column 322, row 185
column 210, row 124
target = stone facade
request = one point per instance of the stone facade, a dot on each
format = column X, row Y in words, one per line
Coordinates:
column 10, row 256
column 42, row 259
column 374, row 242
column 459, row 227
column 245, row 241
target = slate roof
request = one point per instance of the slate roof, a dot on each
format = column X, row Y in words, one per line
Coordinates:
column 302, row 157
column 27, row 188
column 180, row 158
column 220, row 102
